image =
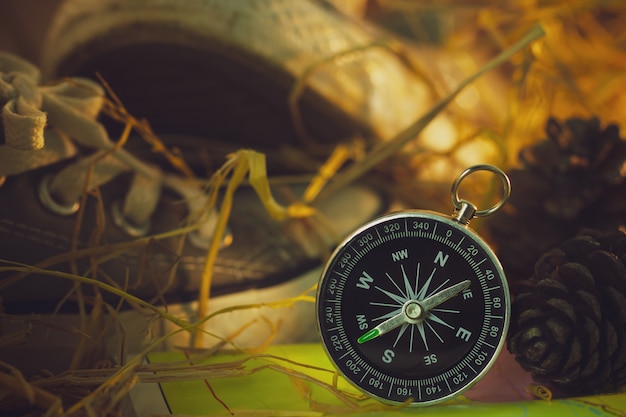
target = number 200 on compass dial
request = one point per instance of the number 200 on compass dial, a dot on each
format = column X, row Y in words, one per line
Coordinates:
column 413, row 305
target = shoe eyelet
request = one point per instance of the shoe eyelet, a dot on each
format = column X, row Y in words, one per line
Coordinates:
column 46, row 199
column 122, row 222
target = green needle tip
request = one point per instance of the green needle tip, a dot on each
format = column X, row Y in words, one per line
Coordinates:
column 372, row 334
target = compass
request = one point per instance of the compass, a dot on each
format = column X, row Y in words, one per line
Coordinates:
column 414, row 305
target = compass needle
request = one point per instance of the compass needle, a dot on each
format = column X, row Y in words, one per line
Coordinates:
column 384, row 327
column 372, row 334
column 444, row 295
column 429, row 317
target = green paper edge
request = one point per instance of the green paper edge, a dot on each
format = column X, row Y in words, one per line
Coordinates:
column 273, row 392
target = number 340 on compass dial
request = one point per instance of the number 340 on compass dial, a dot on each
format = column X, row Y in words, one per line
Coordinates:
column 413, row 305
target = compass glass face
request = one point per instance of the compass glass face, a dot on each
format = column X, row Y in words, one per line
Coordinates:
column 413, row 305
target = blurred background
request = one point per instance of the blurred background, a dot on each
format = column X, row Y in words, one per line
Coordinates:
column 367, row 69
column 23, row 25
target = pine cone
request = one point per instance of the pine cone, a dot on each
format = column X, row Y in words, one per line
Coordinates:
column 568, row 321
column 571, row 180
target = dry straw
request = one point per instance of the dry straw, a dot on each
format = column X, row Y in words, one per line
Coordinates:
column 98, row 388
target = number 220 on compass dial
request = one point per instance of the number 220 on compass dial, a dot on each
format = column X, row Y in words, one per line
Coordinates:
column 413, row 305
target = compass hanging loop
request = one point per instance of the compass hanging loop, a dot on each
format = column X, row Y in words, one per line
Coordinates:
column 464, row 211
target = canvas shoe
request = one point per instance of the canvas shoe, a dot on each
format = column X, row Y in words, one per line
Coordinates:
column 45, row 170
column 221, row 71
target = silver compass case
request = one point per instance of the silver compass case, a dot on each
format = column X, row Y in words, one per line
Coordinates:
column 414, row 306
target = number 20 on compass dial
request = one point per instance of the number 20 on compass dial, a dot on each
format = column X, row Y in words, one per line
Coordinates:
column 415, row 305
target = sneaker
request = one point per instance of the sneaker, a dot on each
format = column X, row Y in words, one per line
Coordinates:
column 260, row 260
column 212, row 85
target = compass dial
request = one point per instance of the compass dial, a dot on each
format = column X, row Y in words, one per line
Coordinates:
column 413, row 305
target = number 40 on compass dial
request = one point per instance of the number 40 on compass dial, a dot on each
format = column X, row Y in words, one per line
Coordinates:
column 415, row 305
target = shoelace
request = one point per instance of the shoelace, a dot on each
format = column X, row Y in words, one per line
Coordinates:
column 43, row 124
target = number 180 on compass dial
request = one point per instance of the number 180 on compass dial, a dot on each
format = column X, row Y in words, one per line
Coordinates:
column 413, row 305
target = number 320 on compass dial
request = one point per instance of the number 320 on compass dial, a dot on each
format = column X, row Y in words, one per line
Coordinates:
column 413, row 305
